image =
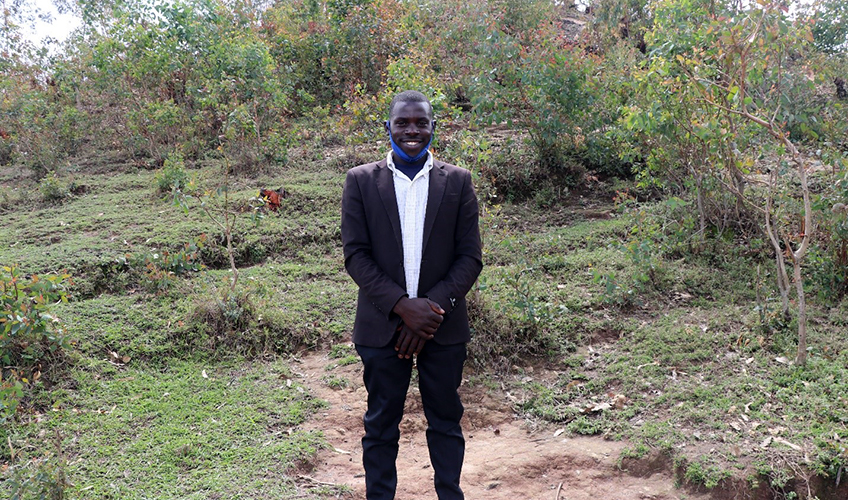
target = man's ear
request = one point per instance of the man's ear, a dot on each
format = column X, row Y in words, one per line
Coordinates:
column 434, row 125
column 388, row 127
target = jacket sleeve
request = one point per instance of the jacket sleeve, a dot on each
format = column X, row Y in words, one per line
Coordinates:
column 468, row 253
column 381, row 290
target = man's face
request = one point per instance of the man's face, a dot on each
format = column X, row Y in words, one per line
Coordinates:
column 411, row 126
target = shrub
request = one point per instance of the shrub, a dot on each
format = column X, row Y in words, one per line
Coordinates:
column 42, row 479
column 544, row 87
column 228, row 323
column 172, row 176
column 188, row 75
column 53, row 188
column 505, row 330
column 30, row 337
column 366, row 111
column 156, row 270
column 161, row 268
column 829, row 255
column 13, row 198
column 38, row 124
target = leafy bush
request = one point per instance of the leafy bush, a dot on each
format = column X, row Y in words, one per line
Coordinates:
column 706, row 474
column 829, row 19
column 540, row 84
column 53, row 188
column 30, row 337
column 511, row 321
column 156, row 270
column 11, row 393
column 172, row 176
column 5, row 147
column 39, row 127
column 41, row 479
column 161, row 268
column 184, row 76
column 47, row 482
column 829, row 257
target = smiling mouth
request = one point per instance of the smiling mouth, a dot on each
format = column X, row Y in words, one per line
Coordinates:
column 411, row 143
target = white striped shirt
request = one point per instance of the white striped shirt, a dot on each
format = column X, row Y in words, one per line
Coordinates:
column 411, row 198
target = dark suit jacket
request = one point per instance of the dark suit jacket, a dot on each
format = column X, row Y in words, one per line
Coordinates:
column 451, row 258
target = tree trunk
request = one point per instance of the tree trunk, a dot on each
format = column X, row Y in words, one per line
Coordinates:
column 782, row 275
column 801, row 357
column 841, row 92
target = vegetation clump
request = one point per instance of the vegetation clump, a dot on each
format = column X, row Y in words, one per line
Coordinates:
column 33, row 342
column 172, row 176
column 53, row 188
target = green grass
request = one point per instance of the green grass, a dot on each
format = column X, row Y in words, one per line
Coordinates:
column 335, row 381
column 121, row 214
column 188, row 430
column 138, row 325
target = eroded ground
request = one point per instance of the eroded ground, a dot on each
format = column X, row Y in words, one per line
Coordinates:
column 505, row 459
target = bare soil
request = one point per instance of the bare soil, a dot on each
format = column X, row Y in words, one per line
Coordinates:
column 507, row 458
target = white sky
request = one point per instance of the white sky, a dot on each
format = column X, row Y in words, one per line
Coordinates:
column 59, row 28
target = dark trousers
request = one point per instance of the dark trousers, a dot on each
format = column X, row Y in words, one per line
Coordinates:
column 387, row 380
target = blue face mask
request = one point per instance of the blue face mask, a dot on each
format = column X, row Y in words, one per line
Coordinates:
column 400, row 153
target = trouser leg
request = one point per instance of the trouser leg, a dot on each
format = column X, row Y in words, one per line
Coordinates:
column 386, row 379
column 440, row 374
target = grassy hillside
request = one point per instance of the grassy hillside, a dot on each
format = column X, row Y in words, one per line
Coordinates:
column 587, row 312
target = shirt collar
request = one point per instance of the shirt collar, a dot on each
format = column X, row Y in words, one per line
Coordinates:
column 425, row 170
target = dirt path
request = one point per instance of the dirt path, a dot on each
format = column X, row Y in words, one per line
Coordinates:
column 504, row 459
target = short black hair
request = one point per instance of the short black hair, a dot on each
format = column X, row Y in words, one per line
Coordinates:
column 409, row 96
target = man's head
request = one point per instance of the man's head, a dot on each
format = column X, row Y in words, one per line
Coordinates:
column 410, row 125
column 408, row 96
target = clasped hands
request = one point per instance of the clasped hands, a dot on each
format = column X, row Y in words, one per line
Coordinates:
column 420, row 318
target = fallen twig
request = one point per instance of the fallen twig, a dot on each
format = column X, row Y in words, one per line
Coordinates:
column 313, row 480
column 655, row 363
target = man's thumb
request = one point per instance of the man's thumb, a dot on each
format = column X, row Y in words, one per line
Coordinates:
column 436, row 308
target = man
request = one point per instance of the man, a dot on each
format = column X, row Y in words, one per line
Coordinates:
column 412, row 244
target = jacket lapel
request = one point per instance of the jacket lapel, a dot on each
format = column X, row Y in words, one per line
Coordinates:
column 386, row 188
column 438, row 182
